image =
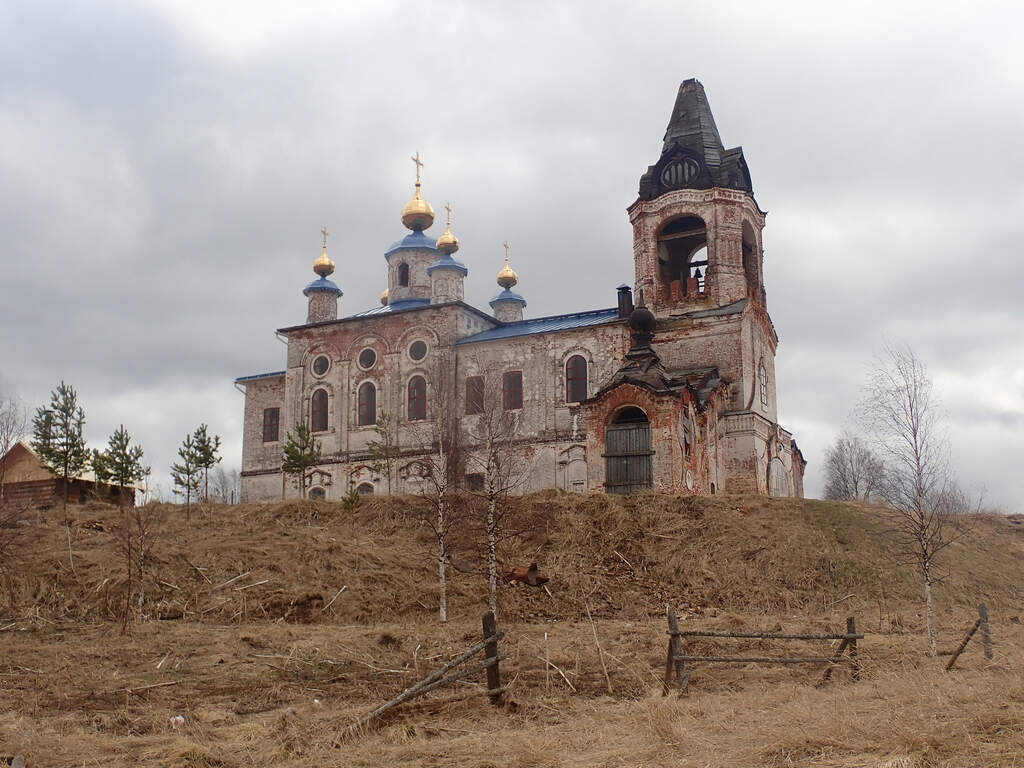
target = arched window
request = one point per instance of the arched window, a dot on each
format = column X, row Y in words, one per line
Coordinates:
column 367, row 404
column 417, row 398
column 317, row 494
column 366, row 489
column 403, row 274
column 575, row 379
column 318, row 411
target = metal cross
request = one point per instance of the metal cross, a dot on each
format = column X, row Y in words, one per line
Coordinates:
column 448, row 207
column 323, row 231
column 506, row 251
column 419, row 164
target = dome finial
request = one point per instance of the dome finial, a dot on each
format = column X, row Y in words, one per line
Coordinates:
column 417, row 214
column 507, row 277
column 323, row 266
column 448, row 243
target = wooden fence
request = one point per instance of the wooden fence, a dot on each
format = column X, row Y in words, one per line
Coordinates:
column 676, row 660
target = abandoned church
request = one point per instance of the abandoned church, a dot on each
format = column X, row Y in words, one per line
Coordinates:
column 671, row 390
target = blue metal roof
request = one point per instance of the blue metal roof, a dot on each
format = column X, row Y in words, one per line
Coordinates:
column 545, row 325
column 508, row 295
column 394, row 306
column 274, row 375
column 322, row 284
column 415, row 239
column 447, row 262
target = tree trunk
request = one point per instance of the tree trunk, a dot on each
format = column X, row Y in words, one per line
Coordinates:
column 929, row 613
column 492, row 560
column 128, row 588
column 442, row 583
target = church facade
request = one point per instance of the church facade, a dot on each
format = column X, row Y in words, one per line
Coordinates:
column 671, row 390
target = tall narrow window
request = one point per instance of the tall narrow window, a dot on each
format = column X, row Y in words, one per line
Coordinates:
column 403, row 274
column 575, row 379
column 763, row 375
column 417, row 398
column 474, row 395
column 318, row 411
column 367, row 404
column 271, row 424
column 512, row 390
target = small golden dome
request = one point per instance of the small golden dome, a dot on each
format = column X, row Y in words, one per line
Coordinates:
column 323, row 266
column 507, row 277
column 448, row 243
column 384, row 297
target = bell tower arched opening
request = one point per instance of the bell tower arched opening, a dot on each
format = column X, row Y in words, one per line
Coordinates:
column 751, row 262
column 683, row 258
column 628, row 455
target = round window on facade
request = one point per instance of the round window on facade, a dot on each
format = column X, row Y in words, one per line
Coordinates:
column 418, row 350
column 320, row 365
column 367, row 359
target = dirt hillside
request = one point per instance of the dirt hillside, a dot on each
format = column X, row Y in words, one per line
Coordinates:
column 623, row 557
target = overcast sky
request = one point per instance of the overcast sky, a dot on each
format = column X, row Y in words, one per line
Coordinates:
column 166, row 166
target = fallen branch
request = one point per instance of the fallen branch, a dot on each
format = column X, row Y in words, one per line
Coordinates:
column 336, row 596
column 600, row 653
column 559, row 671
column 153, row 685
column 254, row 584
column 230, row 581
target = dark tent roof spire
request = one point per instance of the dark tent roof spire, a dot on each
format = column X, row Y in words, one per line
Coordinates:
column 692, row 155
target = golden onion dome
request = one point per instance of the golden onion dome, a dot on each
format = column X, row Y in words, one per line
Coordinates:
column 418, row 213
column 323, row 266
column 507, row 277
column 448, row 243
column 384, row 297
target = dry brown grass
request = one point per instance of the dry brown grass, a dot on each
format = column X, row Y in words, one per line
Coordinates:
column 245, row 671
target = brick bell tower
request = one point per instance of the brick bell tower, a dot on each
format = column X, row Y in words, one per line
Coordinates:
column 696, row 226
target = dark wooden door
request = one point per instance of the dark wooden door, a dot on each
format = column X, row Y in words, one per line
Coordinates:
column 627, row 458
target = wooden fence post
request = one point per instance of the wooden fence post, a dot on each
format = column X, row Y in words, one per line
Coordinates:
column 491, row 653
column 675, row 651
column 986, row 634
column 851, row 629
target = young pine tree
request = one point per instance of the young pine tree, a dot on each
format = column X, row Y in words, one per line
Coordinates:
column 207, row 447
column 186, row 474
column 57, row 437
column 301, row 453
column 121, row 463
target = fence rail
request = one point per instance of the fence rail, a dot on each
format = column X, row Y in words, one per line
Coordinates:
column 676, row 659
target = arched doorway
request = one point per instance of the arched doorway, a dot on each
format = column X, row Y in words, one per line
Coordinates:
column 627, row 452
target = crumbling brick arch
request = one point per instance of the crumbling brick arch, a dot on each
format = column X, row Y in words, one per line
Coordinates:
column 378, row 342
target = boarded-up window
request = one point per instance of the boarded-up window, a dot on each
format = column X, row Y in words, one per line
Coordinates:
column 271, row 424
column 417, row 398
column 575, row 379
column 318, row 411
column 366, row 404
column 512, row 390
column 474, row 394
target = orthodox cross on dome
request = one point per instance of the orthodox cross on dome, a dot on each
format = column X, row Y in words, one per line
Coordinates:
column 506, row 251
column 448, row 207
column 323, row 231
column 419, row 164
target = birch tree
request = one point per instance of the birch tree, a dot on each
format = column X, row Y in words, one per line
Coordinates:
column 902, row 413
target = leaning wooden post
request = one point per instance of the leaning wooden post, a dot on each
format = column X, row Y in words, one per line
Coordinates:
column 986, row 635
column 491, row 653
column 675, row 652
column 963, row 644
column 851, row 629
